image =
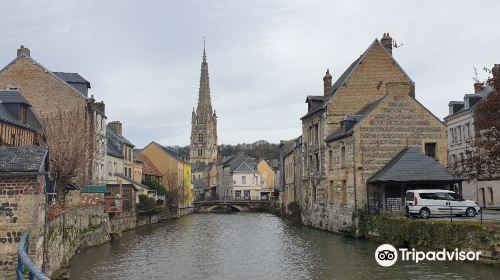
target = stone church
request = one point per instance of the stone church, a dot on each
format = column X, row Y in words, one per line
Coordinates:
column 203, row 148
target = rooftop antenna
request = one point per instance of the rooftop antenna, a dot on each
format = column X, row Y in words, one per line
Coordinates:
column 476, row 76
column 395, row 45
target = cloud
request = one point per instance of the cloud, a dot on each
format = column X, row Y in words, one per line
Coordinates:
column 143, row 57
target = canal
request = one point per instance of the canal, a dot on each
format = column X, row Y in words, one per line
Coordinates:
column 250, row 246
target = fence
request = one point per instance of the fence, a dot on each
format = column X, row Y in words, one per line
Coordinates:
column 24, row 262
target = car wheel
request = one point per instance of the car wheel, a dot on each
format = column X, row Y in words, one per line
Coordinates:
column 470, row 212
column 424, row 213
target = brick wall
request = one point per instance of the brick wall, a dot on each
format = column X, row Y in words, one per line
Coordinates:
column 22, row 207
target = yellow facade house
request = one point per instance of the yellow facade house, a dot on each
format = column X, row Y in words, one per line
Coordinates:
column 173, row 168
column 266, row 175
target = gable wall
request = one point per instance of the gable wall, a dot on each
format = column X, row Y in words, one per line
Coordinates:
column 365, row 85
column 45, row 92
column 397, row 122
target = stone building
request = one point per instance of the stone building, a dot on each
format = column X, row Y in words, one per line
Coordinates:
column 203, row 146
column 462, row 134
column 50, row 93
column 350, row 132
column 24, row 173
column 291, row 173
column 19, row 126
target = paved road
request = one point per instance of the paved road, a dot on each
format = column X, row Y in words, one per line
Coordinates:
column 488, row 215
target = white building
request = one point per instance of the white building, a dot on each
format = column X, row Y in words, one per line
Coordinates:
column 238, row 178
column 461, row 134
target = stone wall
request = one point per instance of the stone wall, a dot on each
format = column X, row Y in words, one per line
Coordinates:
column 22, row 207
column 436, row 235
column 77, row 228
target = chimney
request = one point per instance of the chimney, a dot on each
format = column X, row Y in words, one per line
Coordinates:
column 398, row 88
column 327, row 83
column 387, row 42
column 478, row 86
column 23, row 51
column 100, row 107
column 496, row 77
column 116, row 126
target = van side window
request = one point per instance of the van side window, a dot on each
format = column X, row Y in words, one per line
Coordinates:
column 441, row 196
column 427, row 196
column 409, row 196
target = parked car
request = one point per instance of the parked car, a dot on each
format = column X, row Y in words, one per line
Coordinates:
column 426, row 203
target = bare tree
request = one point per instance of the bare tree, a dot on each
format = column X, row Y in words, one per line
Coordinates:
column 482, row 156
column 72, row 145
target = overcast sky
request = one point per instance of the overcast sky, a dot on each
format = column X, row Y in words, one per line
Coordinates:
column 143, row 57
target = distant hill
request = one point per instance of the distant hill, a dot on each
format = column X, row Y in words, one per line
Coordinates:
column 260, row 150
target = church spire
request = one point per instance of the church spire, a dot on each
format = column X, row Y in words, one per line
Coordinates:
column 204, row 100
column 203, row 146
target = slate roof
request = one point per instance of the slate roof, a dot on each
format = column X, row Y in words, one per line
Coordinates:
column 200, row 183
column 244, row 168
column 235, row 161
column 22, row 159
column 199, row 167
column 347, row 73
column 411, row 165
column 71, row 77
column 12, row 96
column 115, row 143
column 10, row 102
column 357, row 118
column 481, row 94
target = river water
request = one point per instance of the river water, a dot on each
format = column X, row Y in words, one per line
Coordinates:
column 250, row 246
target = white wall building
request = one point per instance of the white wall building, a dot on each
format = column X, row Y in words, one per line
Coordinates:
column 238, row 178
column 461, row 134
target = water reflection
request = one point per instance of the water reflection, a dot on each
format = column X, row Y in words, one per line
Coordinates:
column 249, row 246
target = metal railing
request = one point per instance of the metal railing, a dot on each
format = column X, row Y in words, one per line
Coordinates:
column 24, row 264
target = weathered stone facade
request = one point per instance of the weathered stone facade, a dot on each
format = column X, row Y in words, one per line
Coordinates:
column 359, row 123
column 203, row 146
column 22, row 207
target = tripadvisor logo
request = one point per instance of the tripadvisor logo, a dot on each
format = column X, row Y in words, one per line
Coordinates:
column 387, row 255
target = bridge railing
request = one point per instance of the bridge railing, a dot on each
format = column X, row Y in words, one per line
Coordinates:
column 24, row 264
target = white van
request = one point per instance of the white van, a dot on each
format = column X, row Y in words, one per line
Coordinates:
column 425, row 203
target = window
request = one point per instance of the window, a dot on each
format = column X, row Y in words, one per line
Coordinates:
column 313, row 193
column 200, row 152
column 430, row 150
column 243, row 180
column 491, row 195
column 316, row 156
column 330, row 159
column 459, row 133
column 467, row 130
column 201, row 137
column 342, row 156
column 330, row 192
column 343, row 190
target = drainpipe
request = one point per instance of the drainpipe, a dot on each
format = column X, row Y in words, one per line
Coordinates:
column 354, row 169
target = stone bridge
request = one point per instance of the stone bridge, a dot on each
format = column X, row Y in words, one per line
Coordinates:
column 236, row 205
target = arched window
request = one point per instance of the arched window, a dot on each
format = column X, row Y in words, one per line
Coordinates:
column 201, row 137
